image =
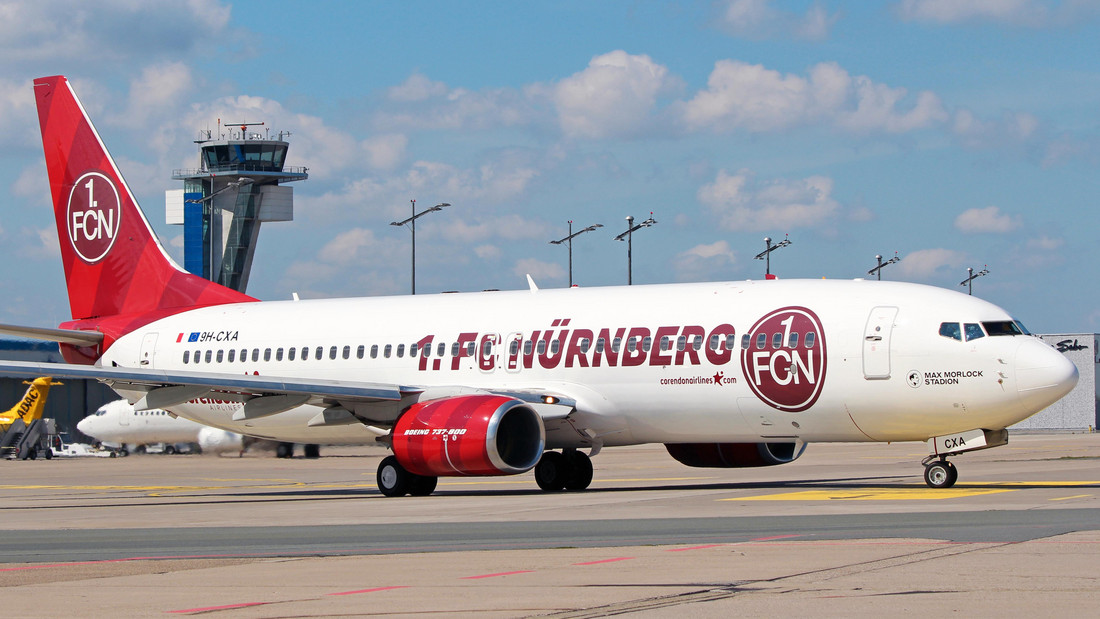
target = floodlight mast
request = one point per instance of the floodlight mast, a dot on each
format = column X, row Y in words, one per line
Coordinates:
column 878, row 270
column 766, row 255
column 412, row 225
column 969, row 281
column 628, row 235
column 569, row 240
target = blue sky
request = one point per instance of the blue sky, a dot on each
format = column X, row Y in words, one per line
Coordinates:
column 957, row 133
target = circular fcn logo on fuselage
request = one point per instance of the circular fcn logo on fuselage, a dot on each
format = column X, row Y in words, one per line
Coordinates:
column 94, row 216
column 785, row 360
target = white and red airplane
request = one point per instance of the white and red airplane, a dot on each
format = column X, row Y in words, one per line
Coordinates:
column 729, row 374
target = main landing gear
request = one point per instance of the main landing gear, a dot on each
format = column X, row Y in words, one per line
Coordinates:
column 568, row 470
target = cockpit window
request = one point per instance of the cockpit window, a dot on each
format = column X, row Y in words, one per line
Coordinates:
column 1023, row 329
column 951, row 330
column 1002, row 327
column 973, row 331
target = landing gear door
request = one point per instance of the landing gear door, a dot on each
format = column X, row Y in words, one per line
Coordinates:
column 876, row 343
column 148, row 350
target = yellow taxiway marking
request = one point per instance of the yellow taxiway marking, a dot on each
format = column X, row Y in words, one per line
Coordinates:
column 921, row 493
column 1076, row 496
column 873, row 494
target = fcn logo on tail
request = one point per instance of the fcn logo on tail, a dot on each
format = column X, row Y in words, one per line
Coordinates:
column 94, row 216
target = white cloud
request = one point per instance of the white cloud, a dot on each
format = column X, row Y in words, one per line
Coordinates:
column 1045, row 243
column 750, row 97
column 417, row 88
column 758, row 19
column 926, row 263
column 511, row 227
column 986, row 220
column 715, row 260
column 742, row 203
column 385, row 152
column 1032, row 13
column 612, row 97
column 487, row 252
column 539, row 270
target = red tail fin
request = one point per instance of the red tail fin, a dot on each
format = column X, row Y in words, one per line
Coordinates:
column 114, row 263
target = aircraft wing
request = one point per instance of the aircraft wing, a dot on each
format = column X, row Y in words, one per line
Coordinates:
column 269, row 395
column 262, row 395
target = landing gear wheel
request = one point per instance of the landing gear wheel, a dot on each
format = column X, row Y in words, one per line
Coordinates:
column 580, row 470
column 393, row 479
column 941, row 474
column 311, row 451
column 552, row 471
column 284, row 450
column 422, row 485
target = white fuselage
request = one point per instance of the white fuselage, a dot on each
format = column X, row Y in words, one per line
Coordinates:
column 876, row 367
column 117, row 422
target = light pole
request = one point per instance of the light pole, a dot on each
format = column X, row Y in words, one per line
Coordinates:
column 630, row 228
column 878, row 270
column 969, row 281
column 766, row 255
column 569, row 239
column 412, row 225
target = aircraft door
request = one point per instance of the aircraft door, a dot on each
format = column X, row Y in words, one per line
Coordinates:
column 148, row 349
column 876, row 343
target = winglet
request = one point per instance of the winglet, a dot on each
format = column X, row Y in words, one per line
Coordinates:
column 531, row 283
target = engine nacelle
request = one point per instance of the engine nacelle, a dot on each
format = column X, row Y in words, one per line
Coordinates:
column 469, row 435
column 216, row 441
column 735, row 455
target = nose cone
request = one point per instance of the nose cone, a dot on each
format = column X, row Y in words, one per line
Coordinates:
column 84, row 426
column 1043, row 375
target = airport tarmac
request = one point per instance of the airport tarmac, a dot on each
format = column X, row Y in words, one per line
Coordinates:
column 845, row 530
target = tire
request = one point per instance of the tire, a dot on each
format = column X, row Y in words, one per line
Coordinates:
column 311, row 451
column 284, row 450
column 940, row 474
column 422, row 485
column 392, row 478
column 552, row 471
column 48, row 453
column 170, row 449
column 580, row 470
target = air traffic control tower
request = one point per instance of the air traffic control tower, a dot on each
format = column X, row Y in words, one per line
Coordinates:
column 237, row 186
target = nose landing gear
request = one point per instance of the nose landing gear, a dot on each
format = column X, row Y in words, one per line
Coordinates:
column 939, row 473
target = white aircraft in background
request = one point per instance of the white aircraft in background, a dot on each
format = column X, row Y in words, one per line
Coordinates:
column 726, row 374
column 118, row 423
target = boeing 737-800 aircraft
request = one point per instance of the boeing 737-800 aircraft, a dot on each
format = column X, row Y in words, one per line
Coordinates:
column 728, row 374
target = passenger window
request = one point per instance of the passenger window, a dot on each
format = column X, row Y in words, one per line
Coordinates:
column 426, row 351
column 332, row 352
column 319, row 353
column 221, row 355
column 681, row 342
column 665, row 343
column 616, row 345
column 387, row 351
column 187, row 356
column 777, row 340
column 632, row 344
column 973, row 331
column 470, row 349
column 232, row 355
column 400, row 350
column 714, row 342
column 792, row 341
column 209, row 354
column 454, row 349
column 528, row 348
column 731, row 341
column 267, row 354
column 290, row 352
column 441, row 350
column 600, row 343
column 585, row 345
column 347, row 352
column 374, row 351
column 487, row 349
column 951, row 330
column 413, row 348
column 255, row 355
column 513, row 348
column 542, row 347
column 198, row 356
column 647, row 343
column 359, row 352
column 278, row 354
column 305, row 353
column 745, row 341
column 811, row 338
column 697, row 343
column 244, row 355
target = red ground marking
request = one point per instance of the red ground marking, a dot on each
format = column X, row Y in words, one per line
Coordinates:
column 605, row 561
column 495, row 575
column 693, row 548
column 210, row 608
column 369, row 590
